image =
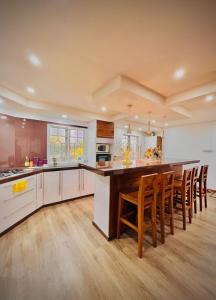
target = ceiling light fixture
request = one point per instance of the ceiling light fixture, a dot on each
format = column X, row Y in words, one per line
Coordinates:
column 136, row 117
column 1, row 101
column 179, row 73
column 140, row 129
column 64, row 116
column 209, row 98
column 3, row 117
column 166, row 124
column 103, row 108
column 30, row 90
column 153, row 121
column 34, row 60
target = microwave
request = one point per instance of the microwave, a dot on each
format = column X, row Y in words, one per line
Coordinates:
column 102, row 148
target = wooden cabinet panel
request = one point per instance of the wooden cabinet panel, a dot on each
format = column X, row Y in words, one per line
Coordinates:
column 105, row 129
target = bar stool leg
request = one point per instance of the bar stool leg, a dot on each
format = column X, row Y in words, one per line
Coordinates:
column 140, row 229
column 162, row 222
column 154, row 223
column 190, row 207
column 171, row 215
column 184, row 211
column 120, row 209
column 205, row 191
column 200, row 195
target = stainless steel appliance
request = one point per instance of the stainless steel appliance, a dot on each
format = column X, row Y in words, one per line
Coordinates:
column 102, row 148
column 103, row 157
column 10, row 172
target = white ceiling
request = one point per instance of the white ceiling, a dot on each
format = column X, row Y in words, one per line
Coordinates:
column 84, row 45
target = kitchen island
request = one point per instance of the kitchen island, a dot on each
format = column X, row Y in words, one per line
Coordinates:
column 116, row 177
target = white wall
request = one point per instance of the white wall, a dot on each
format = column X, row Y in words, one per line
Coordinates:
column 196, row 141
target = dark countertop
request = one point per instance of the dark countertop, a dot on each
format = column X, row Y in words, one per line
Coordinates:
column 118, row 168
column 113, row 168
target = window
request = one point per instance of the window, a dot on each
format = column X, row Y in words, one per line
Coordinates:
column 65, row 143
column 133, row 142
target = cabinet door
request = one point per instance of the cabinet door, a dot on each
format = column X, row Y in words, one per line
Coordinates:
column 52, row 187
column 39, row 190
column 105, row 129
column 87, row 182
column 15, row 206
column 70, row 184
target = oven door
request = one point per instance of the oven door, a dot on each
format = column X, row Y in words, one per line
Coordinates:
column 103, row 157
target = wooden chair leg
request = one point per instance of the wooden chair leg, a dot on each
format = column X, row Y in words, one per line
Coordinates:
column 120, row 209
column 154, row 224
column 205, row 194
column 194, row 200
column 184, row 212
column 171, row 216
column 200, row 196
column 140, row 230
column 162, row 222
column 190, row 206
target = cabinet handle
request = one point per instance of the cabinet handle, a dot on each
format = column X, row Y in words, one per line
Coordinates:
column 83, row 180
column 59, row 183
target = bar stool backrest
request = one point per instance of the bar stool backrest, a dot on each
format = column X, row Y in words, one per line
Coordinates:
column 195, row 176
column 187, row 178
column 203, row 173
column 148, row 187
column 168, row 181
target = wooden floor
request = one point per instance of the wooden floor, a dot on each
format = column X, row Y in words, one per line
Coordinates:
column 58, row 254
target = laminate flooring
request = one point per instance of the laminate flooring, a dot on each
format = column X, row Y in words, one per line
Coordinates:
column 58, row 254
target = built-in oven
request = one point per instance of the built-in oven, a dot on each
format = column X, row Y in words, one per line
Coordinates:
column 103, row 157
column 102, row 148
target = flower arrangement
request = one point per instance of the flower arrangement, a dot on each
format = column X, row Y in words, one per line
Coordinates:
column 153, row 153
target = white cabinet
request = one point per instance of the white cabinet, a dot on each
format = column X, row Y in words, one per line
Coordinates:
column 15, row 205
column 87, row 182
column 52, row 187
column 39, row 190
column 70, row 184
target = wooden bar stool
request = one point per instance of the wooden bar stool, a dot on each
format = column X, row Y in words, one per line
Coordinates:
column 165, row 202
column 183, row 195
column 144, row 198
column 194, row 189
column 202, row 185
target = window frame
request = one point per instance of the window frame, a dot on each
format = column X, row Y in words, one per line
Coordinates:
column 67, row 142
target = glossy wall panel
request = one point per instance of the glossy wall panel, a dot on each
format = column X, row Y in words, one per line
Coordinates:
column 20, row 138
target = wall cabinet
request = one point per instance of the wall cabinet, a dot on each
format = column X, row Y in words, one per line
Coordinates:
column 105, row 129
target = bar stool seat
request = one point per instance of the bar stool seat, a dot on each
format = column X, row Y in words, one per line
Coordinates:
column 144, row 198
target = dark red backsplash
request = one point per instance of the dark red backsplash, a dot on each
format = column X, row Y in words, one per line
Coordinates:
column 19, row 139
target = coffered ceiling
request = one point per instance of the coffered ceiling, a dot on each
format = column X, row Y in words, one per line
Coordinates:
column 85, row 46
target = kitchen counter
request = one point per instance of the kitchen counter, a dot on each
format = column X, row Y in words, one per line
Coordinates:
column 118, row 168
column 28, row 171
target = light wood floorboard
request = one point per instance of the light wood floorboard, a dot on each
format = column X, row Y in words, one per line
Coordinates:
column 58, row 254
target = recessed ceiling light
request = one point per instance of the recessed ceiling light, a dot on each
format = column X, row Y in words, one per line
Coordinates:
column 140, row 129
column 179, row 73
column 136, row 117
column 209, row 98
column 166, row 124
column 103, row 108
column 153, row 121
column 126, row 126
column 34, row 60
column 30, row 90
column 64, row 116
column 3, row 117
column 1, row 100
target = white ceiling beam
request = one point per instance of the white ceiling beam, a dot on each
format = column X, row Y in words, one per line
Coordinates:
column 182, row 111
column 199, row 91
column 124, row 83
column 141, row 91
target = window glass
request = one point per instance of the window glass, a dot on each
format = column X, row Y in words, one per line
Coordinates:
column 65, row 143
